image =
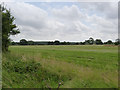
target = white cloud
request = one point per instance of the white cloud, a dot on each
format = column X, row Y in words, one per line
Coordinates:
column 68, row 23
column 60, row 0
column 68, row 13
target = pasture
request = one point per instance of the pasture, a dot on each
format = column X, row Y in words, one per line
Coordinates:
column 74, row 66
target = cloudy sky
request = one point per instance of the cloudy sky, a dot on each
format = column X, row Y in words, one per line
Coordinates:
column 65, row 21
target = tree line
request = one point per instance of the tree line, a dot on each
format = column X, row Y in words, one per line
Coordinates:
column 90, row 41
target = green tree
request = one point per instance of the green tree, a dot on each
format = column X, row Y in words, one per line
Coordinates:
column 56, row 42
column 109, row 42
column 98, row 42
column 30, row 42
column 86, row 42
column 91, row 40
column 23, row 42
column 8, row 27
column 117, row 41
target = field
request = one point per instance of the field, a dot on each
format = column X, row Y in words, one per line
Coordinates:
column 76, row 66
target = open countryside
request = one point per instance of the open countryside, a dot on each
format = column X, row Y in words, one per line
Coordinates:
column 59, row 44
column 74, row 66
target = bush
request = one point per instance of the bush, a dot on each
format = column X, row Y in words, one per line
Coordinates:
column 21, row 66
column 18, row 73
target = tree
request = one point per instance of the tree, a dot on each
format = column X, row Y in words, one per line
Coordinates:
column 109, row 42
column 50, row 43
column 8, row 27
column 98, row 42
column 86, row 42
column 56, row 42
column 91, row 40
column 30, row 42
column 13, row 43
column 23, row 42
column 117, row 42
column 63, row 43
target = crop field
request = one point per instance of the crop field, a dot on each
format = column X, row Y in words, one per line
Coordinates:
column 64, row 66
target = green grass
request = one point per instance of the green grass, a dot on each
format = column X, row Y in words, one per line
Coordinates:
column 75, row 66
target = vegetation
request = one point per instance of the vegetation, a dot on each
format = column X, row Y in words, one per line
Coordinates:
column 8, row 27
column 91, row 41
column 75, row 66
column 87, row 64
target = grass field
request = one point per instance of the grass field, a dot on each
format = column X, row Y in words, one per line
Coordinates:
column 72, row 66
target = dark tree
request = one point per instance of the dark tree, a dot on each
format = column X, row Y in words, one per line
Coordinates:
column 30, row 42
column 50, row 43
column 8, row 27
column 98, row 42
column 82, row 43
column 56, row 42
column 23, row 42
column 117, row 42
column 13, row 43
column 91, row 41
column 63, row 43
column 68, row 43
column 109, row 42
column 86, row 42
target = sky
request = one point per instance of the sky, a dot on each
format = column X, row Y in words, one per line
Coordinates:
column 65, row 21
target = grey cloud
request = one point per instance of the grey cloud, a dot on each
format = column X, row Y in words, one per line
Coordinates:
column 106, row 9
column 110, row 9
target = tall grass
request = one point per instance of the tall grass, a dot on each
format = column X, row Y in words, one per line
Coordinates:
column 27, row 74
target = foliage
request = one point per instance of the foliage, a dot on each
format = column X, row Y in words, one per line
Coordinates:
column 23, row 42
column 117, row 41
column 98, row 42
column 8, row 27
column 18, row 73
column 91, row 41
column 57, row 42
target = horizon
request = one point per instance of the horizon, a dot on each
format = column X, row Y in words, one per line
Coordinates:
column 62, row 41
